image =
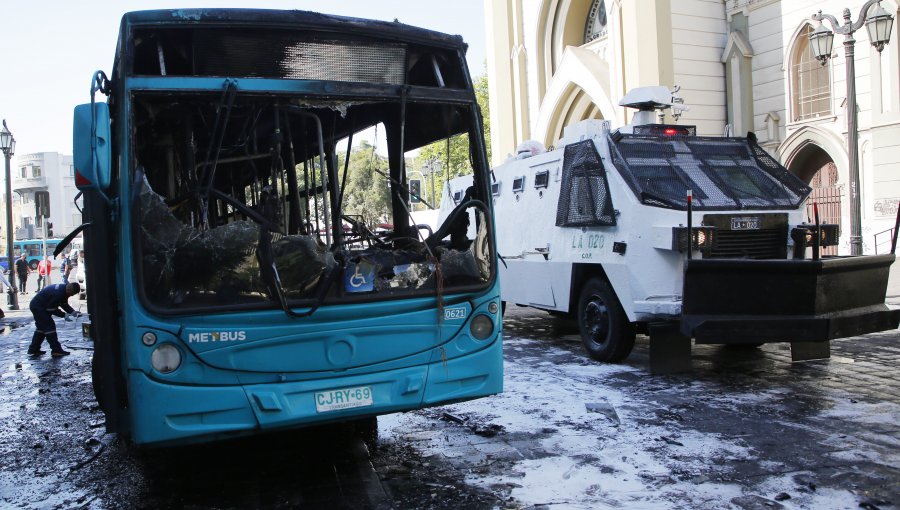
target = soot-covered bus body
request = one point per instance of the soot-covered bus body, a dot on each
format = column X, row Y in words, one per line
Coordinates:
column 597, row 229
column 231, row 290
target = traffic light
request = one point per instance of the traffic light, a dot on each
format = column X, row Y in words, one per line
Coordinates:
column 415, row 191
column 49, row 229
column 42, row 203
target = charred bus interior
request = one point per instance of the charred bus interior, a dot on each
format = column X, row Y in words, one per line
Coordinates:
column 243, row 201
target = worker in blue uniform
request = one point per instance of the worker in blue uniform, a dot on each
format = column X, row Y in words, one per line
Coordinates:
column 45, row 303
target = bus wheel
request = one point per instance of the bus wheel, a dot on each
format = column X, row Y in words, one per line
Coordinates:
column 605, row 331
column 367, row 429
column 503, row 309
column 33, row 265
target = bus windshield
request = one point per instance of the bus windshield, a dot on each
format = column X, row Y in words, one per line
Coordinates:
column 255, row 200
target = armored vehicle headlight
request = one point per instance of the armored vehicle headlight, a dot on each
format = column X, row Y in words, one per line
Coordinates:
column 166, row 358
column 482, row 327
column 830, row 233
column 704, row 238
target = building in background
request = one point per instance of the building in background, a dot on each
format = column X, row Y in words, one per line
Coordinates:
column 43, row 183
column 743, row 63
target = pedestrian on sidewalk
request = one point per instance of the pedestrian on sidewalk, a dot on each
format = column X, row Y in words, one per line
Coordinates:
column 22, row 270
column 8, row 288
column 44, row 304
column 44, row 268
column 65, row 267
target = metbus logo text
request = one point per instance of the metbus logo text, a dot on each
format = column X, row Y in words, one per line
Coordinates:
column 217, row 336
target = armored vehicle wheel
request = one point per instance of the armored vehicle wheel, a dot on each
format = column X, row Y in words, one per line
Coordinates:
column 605, row 331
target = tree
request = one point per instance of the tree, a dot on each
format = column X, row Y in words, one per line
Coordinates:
column 455, row 155
column 367, row 193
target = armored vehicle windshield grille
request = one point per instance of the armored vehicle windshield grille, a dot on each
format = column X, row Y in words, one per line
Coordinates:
column 723, row 173
column 584, row 199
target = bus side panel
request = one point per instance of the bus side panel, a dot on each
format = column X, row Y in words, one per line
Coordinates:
column 106, row 367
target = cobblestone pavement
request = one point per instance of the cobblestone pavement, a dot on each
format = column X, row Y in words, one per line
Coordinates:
column 746, row 428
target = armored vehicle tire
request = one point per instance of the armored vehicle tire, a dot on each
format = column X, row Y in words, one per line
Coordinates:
column 605, row 331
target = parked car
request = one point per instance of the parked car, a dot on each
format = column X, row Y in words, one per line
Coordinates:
column 80, row 274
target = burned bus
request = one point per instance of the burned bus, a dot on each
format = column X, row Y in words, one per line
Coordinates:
column 239, row 293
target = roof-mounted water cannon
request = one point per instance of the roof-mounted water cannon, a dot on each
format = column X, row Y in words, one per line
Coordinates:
column 653, row 99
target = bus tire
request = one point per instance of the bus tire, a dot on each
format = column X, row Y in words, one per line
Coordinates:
column 502, row 308
column 33, row 265
column 743, row 347
column 605, row 331
column 367, row 430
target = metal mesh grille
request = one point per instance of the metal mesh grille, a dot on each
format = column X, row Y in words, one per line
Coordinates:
column 584, row 199
column 724, row 173
column 749, row 244
column 281, row 55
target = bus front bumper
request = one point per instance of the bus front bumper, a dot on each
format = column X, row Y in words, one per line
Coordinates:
column 170, row 414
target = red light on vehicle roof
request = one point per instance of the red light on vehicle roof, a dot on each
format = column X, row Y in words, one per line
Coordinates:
column 670, row 131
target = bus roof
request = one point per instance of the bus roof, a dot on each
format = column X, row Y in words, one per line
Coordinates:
column 393, row 30
column 287, row 44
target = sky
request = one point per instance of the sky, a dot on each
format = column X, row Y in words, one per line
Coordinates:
column 51, row 48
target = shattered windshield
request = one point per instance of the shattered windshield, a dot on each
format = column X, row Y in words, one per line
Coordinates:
column 248, row 200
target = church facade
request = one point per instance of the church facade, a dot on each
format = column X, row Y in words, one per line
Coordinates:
column 740, row 65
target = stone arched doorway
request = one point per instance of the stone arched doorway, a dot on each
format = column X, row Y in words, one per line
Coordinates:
column 817, row 168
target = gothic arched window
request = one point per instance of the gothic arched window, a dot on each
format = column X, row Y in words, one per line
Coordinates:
column 810, row 81
column 596, row 22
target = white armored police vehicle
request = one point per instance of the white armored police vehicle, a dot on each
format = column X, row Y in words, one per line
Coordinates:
column 598, row 229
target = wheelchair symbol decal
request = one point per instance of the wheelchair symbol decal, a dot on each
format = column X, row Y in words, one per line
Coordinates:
column 359, row 278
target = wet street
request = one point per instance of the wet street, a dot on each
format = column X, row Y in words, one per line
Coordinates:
column 746, row 429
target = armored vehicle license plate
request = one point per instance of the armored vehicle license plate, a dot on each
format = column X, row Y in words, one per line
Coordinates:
column 745, row 223
column 344, row 398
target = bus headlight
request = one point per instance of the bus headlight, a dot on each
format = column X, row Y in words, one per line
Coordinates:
column 165, row 359
column 481, row 327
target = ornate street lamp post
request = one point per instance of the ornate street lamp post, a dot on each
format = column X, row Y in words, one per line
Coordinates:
column 8, row 146
column 879, row 25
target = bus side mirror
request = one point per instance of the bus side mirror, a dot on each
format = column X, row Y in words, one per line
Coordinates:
column 91, row 149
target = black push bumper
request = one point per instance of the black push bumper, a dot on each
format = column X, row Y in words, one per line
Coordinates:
column 752, row 301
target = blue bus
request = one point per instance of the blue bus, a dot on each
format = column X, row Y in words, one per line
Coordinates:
column 34, row 250
column 233, row 298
